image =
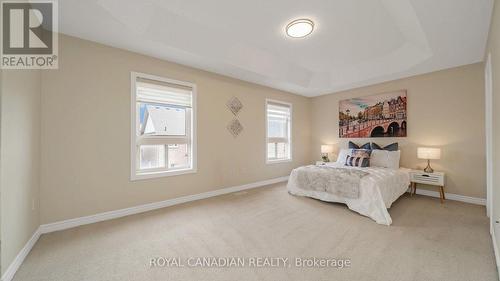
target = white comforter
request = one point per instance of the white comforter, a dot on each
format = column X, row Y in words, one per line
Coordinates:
column 378, row 191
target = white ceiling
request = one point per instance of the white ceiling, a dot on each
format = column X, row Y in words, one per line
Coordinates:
column 355, row 42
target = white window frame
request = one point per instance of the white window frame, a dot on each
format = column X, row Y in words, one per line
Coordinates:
column 134, row 174
column 290, row 142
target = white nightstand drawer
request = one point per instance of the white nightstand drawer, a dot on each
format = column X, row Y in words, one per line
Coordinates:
column 436, row 178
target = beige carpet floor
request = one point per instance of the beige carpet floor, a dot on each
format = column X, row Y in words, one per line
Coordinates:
column 427, row 241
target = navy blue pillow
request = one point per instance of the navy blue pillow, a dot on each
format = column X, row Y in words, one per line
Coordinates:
column 390, row 147
column 355, row 146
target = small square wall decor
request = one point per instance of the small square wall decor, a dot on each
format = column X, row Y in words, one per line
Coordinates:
column 235, row 105
column 235, row 127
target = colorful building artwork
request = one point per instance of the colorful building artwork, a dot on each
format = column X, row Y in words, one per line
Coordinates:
column 381, row 115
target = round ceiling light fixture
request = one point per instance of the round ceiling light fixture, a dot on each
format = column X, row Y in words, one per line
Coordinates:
column 300, row 28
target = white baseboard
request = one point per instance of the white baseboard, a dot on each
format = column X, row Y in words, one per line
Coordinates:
column 61, row 225
column 18, row 260
column 454, row 197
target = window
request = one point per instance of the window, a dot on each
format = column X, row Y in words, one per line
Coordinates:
column 278, row 135
column 163, row 127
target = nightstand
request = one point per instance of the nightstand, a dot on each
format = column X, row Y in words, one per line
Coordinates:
column 436, row 179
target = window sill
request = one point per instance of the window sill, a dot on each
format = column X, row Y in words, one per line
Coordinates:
column 161, row 174
column 278, row 161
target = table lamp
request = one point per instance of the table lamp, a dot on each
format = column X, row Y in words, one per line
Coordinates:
column 428, row 153
column 325, row 149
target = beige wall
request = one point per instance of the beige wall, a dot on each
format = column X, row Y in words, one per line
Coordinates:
column 20, row 159
column 494, row 50
column 445, row 109
column 86, row 133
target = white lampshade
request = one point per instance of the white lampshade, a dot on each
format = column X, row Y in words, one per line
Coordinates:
column 326, row 148
column 428, row 153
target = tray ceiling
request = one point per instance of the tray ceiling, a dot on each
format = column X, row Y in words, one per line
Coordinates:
column 355, row 42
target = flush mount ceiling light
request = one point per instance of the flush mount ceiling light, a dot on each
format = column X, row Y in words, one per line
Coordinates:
column 300, row 28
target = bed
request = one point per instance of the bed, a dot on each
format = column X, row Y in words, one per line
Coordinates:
column 378, row 188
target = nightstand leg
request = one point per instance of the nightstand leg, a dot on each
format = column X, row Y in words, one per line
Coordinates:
column 441, row 193
column 414, row 188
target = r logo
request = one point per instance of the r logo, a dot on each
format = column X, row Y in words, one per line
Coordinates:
column 27, row 28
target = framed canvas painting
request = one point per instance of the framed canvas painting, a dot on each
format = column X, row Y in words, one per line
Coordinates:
column 375, row 116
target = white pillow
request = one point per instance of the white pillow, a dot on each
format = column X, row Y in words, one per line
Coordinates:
column 393, row 159
column 385, row 159
column 379, row 158
column 343, row 155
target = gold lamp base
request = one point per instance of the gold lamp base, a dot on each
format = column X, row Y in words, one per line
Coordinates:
column 325, row 158
column 428, row 169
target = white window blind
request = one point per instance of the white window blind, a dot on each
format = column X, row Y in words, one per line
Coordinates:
column 164, row 93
